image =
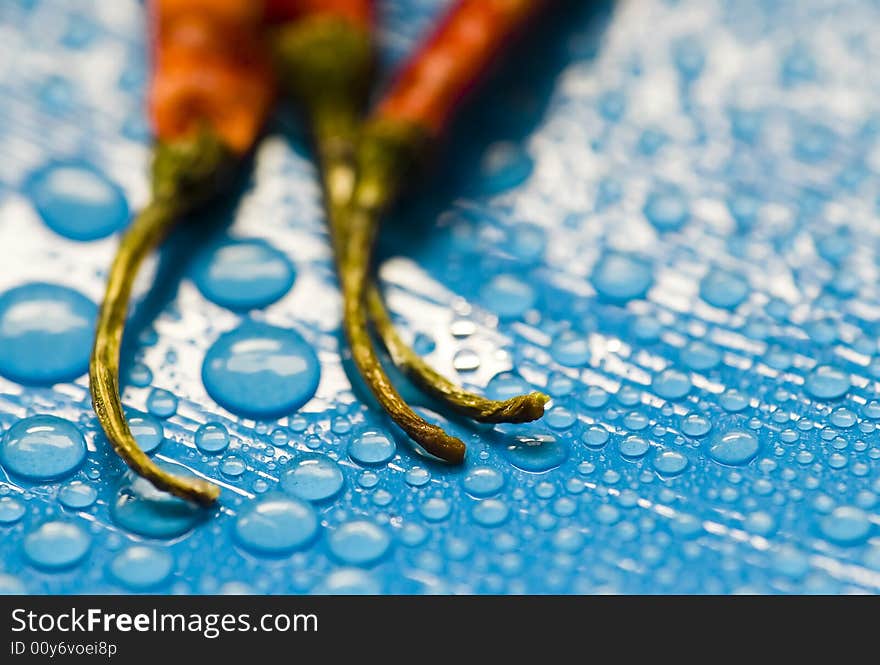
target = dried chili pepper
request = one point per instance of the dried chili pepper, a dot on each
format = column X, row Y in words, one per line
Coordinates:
column 211, row 89
column 410, row 116
column 324, row 54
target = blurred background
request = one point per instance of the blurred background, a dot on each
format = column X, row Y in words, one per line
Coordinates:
column 662, row 213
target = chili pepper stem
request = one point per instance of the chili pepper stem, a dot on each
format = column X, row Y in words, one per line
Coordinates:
column 183, row 174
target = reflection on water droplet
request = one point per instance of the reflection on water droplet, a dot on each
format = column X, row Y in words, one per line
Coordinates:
column 734, row 448
column 57, row 545
column 466, row 360
column 372, row 447
column 348, row 582
column 276, row 526
column 77, row 201
column 359, row 543
column 508, row 296
column 536, row 453
column 244, row 274
column 42, row 448
column 621, row 277
column 826, row 382
column 490, row 512
column 147, row 431
column 211, row 438
column 140, row 567
column 147, row 511
column 846, row 525
column 260, row 371
column 11, row 510
column 314, row 478
column 45, row 333
column 77, row 495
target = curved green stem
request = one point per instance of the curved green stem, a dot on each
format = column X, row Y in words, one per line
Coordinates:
column 184, row 173
column 142, row 237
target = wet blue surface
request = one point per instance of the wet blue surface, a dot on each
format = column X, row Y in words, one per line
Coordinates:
column 674, row 237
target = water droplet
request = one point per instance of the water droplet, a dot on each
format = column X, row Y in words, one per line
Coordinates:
column 595, row 436
column 527, row 242
column 11, row 586
column 211, row 438
column 77, row 495
column 372, row 447
column 734, row 448
column 826, row 382
column 696, row 424
column 147, row 431
column 571, row 349
column 671, row 384
column 314, row 478
column 140, row 567
column 435, row 509
column 359, row 543
column 536, row 453
column 724, row 289
column 666, row 208
column 147, row 511
column 348, row 582
column 57, row 545
column 466, row 360
column 42, row 448
column 260, row 371
column 161, row 403
column 45, row 333
column 560, row 418
column 634, row 447
column 232, row 466
column 700, row 357
column 670, row 462
column 11, row 510
column 620, row 277
column 508, row 296
column 139, row 375
column 846, row 525
column 77, row 201
column 417, row 477
column 276, row 526
column 490, row 512
column 244, row 274
column 482, row 481
column 505, row 165
column 506, row 385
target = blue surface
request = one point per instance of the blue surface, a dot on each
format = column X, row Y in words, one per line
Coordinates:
column 664, row 215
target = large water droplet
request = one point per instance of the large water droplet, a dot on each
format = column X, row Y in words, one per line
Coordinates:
column 147, row 511
column 211, row 438
column 620, row 277
column 57, row 545
column 372, row 447
column 260, row 371
column 11, row 510
column 147, row 431
column 483, row 481
column 77, row 201
column 734, row 448
column 826, row 382
column 846, row 525
column 140, row 567
column 359, row 543
column 244, row 274
column 724, row 289
column 314, row 478
column 666, row 208
column 536, row 453
column 42, row 448
column 508, row 296
column 276, row 526
column 45, row 333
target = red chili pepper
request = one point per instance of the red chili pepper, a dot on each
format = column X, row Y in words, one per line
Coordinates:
column 357, row 11
column 210, row 67
column 412, row 113
column 210, row 92
column 452, row 59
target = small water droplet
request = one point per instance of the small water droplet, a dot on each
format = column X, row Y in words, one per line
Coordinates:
column 536, row 453
column 314, row 478
column 372, row 447
column 57, row 545
column 826, row 382
column 621, row 277
column 734, row 448
column 359, row 543
column 490, row 512
column 211, row 438
column 140, row 567
column 275, row 526
column 42, row 448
